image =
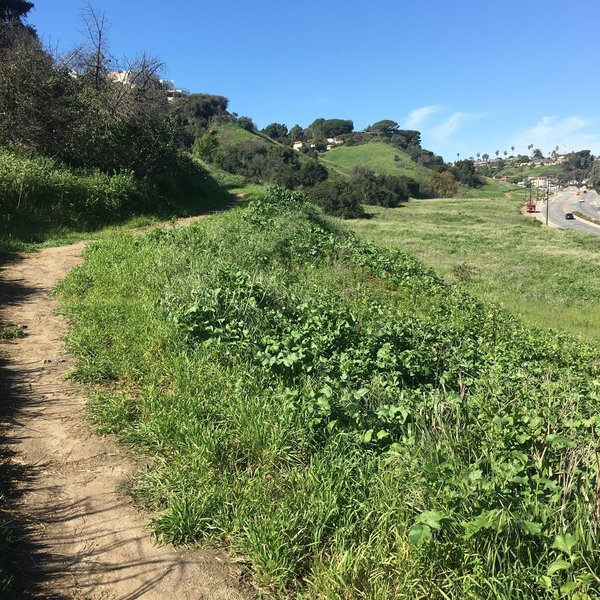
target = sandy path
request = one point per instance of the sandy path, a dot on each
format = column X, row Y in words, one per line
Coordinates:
column 83, row 538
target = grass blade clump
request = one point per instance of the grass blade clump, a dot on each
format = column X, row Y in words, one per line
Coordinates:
column 353, row 425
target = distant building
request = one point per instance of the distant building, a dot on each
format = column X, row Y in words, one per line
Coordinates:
column 128, row 77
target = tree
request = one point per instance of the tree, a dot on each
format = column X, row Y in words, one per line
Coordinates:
column 386, row 126
column 310, row 173
column 206, row 146
column 200, row 109
column 330, row 127
column 537, row 153
column 512, row 149
column 486, row 157
column 497, row 152
column 594, row 176
column 296, row 134
column 246, row 123
column 276, row 131
column 337, row 198
column 12, row 11
column 464, row 172
column 443, row 184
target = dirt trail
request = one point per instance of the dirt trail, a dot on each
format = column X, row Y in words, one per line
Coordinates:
column 83, row 538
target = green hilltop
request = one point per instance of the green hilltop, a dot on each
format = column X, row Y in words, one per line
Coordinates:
column 382, row 158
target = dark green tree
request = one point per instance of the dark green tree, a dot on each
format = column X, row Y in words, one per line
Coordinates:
column 200, row 109
column 246, row 123
column 386, row 126
column 14, row 10
column 464, row 172
column 330, row 127
column 276, row 131
column 337, row 198
column 296, row 134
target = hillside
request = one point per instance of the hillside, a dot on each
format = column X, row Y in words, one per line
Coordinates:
column 380, row 157
column 548, row 277
column 233, row 134
column 352, row 425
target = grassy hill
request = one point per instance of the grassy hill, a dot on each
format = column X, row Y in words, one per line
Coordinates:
column 382, row 158
column 548, row 277
column 349, row 423
column 231, row 133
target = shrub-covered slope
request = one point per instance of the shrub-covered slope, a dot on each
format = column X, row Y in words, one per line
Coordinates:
column 40, row 196
column 335, row 412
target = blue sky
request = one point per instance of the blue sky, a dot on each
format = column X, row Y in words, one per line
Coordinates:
column 471, row 75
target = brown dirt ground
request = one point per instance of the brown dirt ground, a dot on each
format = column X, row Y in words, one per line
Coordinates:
column 81, row 536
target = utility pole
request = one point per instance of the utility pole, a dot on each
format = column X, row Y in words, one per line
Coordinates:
column 547, row 201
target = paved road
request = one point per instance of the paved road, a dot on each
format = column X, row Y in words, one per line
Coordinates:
column 565, row 202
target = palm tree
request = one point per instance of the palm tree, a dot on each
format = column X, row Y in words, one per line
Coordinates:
column 505, row 154
column 512, row 149
column 497, row 152
column 478, row 155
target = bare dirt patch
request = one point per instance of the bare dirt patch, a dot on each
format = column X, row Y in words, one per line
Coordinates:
column 82, row 538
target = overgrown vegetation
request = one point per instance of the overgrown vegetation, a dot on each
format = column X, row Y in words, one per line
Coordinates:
column 40, row 197
column 353, row 425
column 116, row 149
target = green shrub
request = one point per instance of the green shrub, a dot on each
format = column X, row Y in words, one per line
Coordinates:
column 39, row 195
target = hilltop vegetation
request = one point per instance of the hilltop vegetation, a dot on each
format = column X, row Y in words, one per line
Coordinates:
column 79, row 150
column 392, row 160
column 352, row 424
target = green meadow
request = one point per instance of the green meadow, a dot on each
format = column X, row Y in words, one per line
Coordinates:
column 547, row 277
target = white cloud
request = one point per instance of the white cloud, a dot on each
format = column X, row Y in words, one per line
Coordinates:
column 569, row 134
column 451, row 125
column 419, row 116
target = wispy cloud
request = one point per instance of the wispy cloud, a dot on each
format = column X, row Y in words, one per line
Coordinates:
column 419, row 115
column 451, row 125
column 568, row 133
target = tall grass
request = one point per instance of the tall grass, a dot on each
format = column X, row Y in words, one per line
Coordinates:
column 40, row 196
column 336, row 413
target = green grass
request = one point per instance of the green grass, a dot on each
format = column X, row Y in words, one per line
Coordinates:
column 232, row 134
column 350, row 424
column 549, row 277
column 378, row 156
column 532, row 171
column 45, row 201
column 11, row 332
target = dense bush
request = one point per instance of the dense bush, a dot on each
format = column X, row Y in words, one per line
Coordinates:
column 78, row 114
column 464, row 172
column 337, row 198
column 383, row 190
